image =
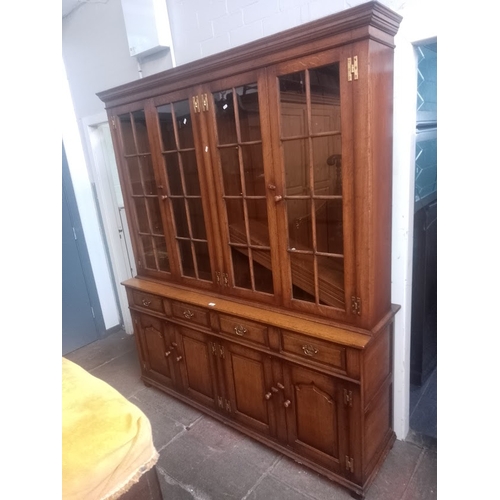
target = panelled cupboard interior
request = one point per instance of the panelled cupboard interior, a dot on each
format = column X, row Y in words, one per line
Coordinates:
column 257, row 184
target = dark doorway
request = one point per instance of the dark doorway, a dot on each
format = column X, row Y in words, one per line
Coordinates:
column 423, row 358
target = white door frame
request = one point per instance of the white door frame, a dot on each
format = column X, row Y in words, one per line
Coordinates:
column 102, row 166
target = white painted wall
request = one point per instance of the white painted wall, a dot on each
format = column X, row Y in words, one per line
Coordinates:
column 96, row 55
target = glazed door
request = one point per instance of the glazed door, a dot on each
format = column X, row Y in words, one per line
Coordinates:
column 312, row 144
column 139, row 181
column 155, row 348
column 237, row 119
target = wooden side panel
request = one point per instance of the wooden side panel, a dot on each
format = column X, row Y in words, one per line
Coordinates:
column 377, row 364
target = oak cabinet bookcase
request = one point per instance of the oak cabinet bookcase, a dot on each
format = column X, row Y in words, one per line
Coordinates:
column 257, row 184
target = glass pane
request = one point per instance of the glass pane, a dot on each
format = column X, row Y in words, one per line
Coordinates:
column 161, row 251
column 257, row 216
column 184, row 125
column 326, row 150
column 203, row 259
column 295, row 156
column 325, row 98
column 224, row 113
column 134, row 175
column 141, row 132
column 262, row 273
column 230, row 166
column 186, row 258
column 181, row 224
column 148, row 175
column 248, row 110
column 236, row 219
column 241, row 268
column 142, row 215
column 253, row 167
column 155, row 215
column 173, row 173
column 329, row 235
column 166, row 127
column 331, row 281
column 127, row 134
column 299, row 224
column 196, row 218
column 190, row 169
column 147, row 247
column 293, row 105
column 302, row 269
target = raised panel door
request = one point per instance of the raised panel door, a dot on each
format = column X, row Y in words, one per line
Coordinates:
column 248, row 377
column 197, row 366
column 316, row 417
column 155, row 348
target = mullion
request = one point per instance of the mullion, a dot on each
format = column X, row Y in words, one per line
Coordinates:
column 311, row 185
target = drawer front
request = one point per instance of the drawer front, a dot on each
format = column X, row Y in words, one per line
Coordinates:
column 313, row 349
column 148, row 301
column 243, row 329
column 190, row 313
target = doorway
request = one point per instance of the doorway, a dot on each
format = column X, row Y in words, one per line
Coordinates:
column 82, row 321
column 423, row 356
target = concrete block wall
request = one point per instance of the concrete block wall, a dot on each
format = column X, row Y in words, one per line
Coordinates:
column 203, row 28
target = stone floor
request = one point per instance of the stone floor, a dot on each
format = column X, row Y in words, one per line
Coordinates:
column 202, row 459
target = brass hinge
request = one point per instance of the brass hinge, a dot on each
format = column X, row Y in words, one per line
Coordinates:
column 349, row 463
column 196, row 104
column 221, row 350
column 347, row 397
column 228, row 406
column 214, row 352
column 204, row 100
column 113, row 122
column 356, row 305
column 226, row 279
column 217, row 274
column 352, row 68
column 221, row 403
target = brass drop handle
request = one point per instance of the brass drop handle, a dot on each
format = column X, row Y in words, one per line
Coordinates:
column 168, row 353
column 146, row 303
column 273, row 389
column 178, row 358
column 268, row 395
column 280, row 386
column 164, row 196
column 309, row 350
column 188, row 314
column 278, row 198
column 240, row 330
column 287, row 403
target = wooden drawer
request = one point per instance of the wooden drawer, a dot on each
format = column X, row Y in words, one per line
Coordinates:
column 148, row 301
column 315, row 350
column 244, row 329
column 190, row 313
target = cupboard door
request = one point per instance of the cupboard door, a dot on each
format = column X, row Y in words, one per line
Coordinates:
column 197, row 366
column 248, row 377
column 239, row 135
column 312, row 141
column 140, row 183
column 316, row 416
column 155, row 348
